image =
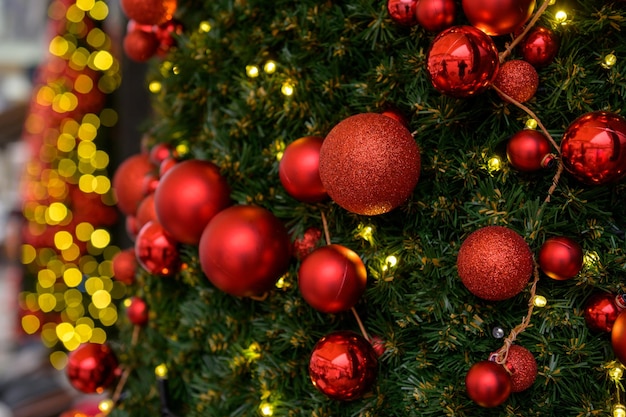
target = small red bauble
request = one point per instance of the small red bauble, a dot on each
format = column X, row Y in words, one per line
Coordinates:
column 332, row 278
column 498, row 17
column 369, row 164
column 303, row 245
column 529, row 150
column 140, row 45
column 462, row 61
column 92, row 368
column 560, row 258
column 618, row 337
column 601, row 311
column 488, row 384
column 124, row 265
column 343, row 365
column 299, row 170
column 593, row 148
column 165, row 33
column 494, row 263
column 137, row 312
column 156, row 250
column 244, row 250
column 149, row 12
column 540, row 46
column 150, row 183
column 402, row 11
column 189, row 195
column 517, row 79
column 396, row 114
column 146, row 211
column 159, row 152
column 435, row 15
column 166, row 165
column 522, row 365
column 128, row 182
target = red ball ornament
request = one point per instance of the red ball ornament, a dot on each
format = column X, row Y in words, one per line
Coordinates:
column 156, row 250
column 435, row 15
column 488, row 384
column 130, row 223
column 522, row 366
column 149, row 12
column 343, row 365
column 462, row 61
column 396, row 114
column 92, row 368
column 188, row 196
column 166, row 34
column 137, row 312
column 167, row 164
column 244, row 250
column 529, row 150
column 305, row 244
column 369, row 164
column 299, row 170
column 593, row 148
column 332, row 278
column 517, row 79
column 540, row 46
column 498, row 17
column 140, row 45
column 494, row 263
column 618, row 337
column 159, row 152
column 124, row 265
column 146, row 211
column 403, row 11
column 601, row 311
column 128, row 182
column 561, row 258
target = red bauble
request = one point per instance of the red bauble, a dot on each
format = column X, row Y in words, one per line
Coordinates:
column 244, row 250
column 131, row 227
column 494, row 263
column 517, row 79
column 593, row 148
column 128, row 182
column 601, row 311
column 332, row 279
column 618, row 337
column 150, row 183
column 167, row 164
column 189, row 195
column 92, row 368
column 343, row 365
column 137, row 312
column 159, row 152
column 522, row 366
column 125, row 266
column 402, row 11
column 488, row 384
column 435, row 15
column 561, row 258
column 165, row 33
column 305, row 244
column 156, row 250
column 369, row 164
column 396, row 114
column 299, row 170
column 146, row 211
column 149, row 12
column 462, row 61
column 529, row 150
column 140, row 45
column 498, row 17
column 540, row 46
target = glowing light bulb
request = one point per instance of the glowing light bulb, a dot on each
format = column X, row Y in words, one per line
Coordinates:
column 609, row 61
column 204, row 27
column 105, row 406
column 540, row 301
column 155, row 87
column 266, row 409
column 269, row 67
column 561, row 17
column 252, row 71
column 161, row 371
column 494, row 164
column 531, row 124
column 287, row 88
column 619, row 410
column 390, row 262
column 616, row 373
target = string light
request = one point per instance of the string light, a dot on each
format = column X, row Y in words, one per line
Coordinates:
column 266, row 409
column 540, row 301
column 561, row 17
column 390, row 262
column 105, row 406
column 591, row 259
column 270, row 67
column 287, row 88
column 619, row 410
column 494, row 164
column 609, row 61
column 161, row 371
column 531, row 124
column 366, row 232
column 204, row 27
column 252, row 71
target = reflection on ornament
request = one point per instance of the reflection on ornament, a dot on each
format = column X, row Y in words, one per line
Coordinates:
column 488, row 384
column 498, row 17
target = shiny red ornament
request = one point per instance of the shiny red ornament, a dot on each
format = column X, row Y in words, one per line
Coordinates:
column 332, row 278
column 494, row 263
column 601, row 311
column 369, row 164
column 137, row 312
column 561, row 258
column 188, row 196
column 488, row 384
column 498, row 17
column 299, row 171
column 396, row 114
column 529, row 150
column 140, row 45
column 403, row 11
column 156, row 250
column 146, row 211
column 149, row 12
column 159, row 152
column 343, row 366
column 618, row 337
column 125, row 266
column 166, row 165
column 522, row 366
column 593, row 148
column 150, row 183
column 244, row 250
column 92, row 368
column 130, row 223
column 462, row 61
column 540, row 46
column 166, row 34
column 435, row 15
column 305, row 244
column 128, row 182
column 517, row 79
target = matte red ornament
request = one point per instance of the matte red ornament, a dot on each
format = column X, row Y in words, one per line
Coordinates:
column 435, row 15
column 517, row 79
column 561, row 258
column 618, row 337
column 369, row 164
column 166, row 165
column 137, row 312
column 150, row 183
column 244, row 250
column 305, row 244
column 343, row 366
column 332, row 279
column 529, row 150
column 402, row 11
column 498, row 17
column 462, row 61
column 156, row 250
column 601, row 311
column 488, row 384
column 188, row 196
column 593, row 148
column 125, row 266
column 128, row 182
column 540, row 46
column 159, row 152
column 522, row 366
column 146, row 211
column 494, row 263
column 299, row 170
column 92, row 368
column 140, row 45
column 149, row 12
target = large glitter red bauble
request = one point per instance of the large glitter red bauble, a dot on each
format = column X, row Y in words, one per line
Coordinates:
column 128, row 182
column 522, row 366
column 299, row 170
column 156, row 250
column 140, row 45
column 435, row 15
column 403, row 11
column 529, row 150
column 137, row 312
column 343, row 365
column 125, row 266
column 332, row 278
column 92, row 368
column 494, row 263
column 244, row 250
column 498, row 17
column 369, row 164
column 488, row 384
column 188, row 196
column 149, row 12
column 601, row 311
column 517, row 79
column 593, row 148
column 618, row 337
column 540, row 46
column 462, row 61
column 561, row 258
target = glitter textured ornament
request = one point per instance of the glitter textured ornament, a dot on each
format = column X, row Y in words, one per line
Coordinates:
column 128, row 182
column 498, row 17
column 156, row 250
column 540, row 46
column 124, row 265
column 92, row 368
column 593, row 148
column 494, row 263
column 601, row 311
column 369, row 164
column 149, row 12
column 561, row 258
column 299, row 170
column 462, row 61
column 402, row 11
column 343, row 365
column 618, row 337
column 522, row 365
column 435, row 15
column 137, row 312
column 488, row 384
column 529, row 150
column 517, row 79
column 140, row 45
column 305, row 244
